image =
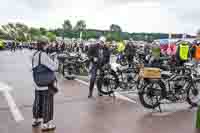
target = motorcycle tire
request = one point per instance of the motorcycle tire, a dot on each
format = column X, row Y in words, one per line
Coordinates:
column 123, row 62
column 149, row 91
column 193, row 93
column 103, row 81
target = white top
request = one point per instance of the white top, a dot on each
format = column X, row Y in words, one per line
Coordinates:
column 45, row 60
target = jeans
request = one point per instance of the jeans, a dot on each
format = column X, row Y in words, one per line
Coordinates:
column 130, row 60
column 93, row 77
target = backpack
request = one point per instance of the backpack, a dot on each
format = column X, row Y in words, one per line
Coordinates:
column 42, row 75
column 183, row 53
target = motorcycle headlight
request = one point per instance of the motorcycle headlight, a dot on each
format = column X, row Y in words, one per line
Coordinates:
column 95, row 59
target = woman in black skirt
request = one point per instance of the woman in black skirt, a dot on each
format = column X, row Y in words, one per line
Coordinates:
column 44, row 96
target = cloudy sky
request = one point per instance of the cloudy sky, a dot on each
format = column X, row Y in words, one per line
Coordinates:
column 181, row 16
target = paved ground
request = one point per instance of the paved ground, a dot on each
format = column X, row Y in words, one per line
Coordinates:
column 75, row 113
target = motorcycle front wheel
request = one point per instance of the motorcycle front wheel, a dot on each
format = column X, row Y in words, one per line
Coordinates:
column 193, row 93
column 107, row 83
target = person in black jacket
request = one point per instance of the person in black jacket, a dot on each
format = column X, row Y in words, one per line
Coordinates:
column 130, row 52
column 81, row 46
column 63, row 47
column 86, row 48
column 93, row 54
column 99, row 55
column 106, row 54
column 13, row 47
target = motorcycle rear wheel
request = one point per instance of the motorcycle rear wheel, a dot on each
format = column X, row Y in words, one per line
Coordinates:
column 150, row 95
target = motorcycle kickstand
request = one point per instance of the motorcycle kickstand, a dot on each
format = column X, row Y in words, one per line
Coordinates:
column 159, row 107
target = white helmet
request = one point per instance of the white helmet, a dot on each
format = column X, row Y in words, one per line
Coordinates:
column 102, row 39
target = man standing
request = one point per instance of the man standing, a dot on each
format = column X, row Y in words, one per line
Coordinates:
column 13, row 47
column 81, row 47
column 98, row 55
column 130, row 53
column 63, row 47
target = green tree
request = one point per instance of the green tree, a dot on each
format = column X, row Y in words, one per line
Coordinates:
column 67, row 29
column 113, row 36
column 51, row 36
column 109, row 36
column 16, row 31
column 3, row 35
column 10, row 30
column 80, row 26
column 1, row 32
column 21, row 31
column 34, row 33
column 67, row 26
column 115, row 28
column 43, row 31
column 21, row 27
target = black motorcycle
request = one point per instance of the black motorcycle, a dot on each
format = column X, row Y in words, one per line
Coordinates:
column 174, row 87
column 107, row 80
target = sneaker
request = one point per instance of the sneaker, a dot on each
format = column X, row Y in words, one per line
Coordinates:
column 36, row 123
column 89, row 96
column 48, row 127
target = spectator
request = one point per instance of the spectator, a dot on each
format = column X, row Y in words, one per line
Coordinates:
column 44, row 96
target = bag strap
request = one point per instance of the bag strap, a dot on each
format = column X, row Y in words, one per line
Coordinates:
column 39, row 62
column 33, row 57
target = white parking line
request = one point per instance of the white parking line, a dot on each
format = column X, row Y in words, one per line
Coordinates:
column 83, row 82
column 11, row 102
column 116, row 93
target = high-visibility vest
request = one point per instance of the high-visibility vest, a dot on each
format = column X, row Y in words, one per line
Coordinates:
column 197, row 52
column 1, row 44
column 183, row 52
column 121, row 47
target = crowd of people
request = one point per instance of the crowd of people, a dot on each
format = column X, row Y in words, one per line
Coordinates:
column 99, row 53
